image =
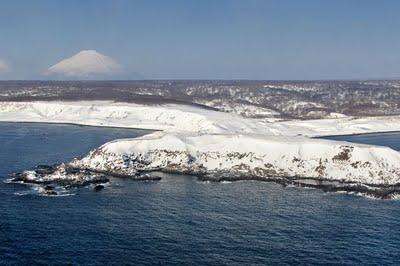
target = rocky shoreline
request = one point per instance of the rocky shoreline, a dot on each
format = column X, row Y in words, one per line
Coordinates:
column 373, row 191
column 67, row 177
column 84, row 177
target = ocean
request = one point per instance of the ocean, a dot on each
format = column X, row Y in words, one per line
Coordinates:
column 180, row 220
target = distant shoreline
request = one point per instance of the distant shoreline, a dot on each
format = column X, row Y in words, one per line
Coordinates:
column 76, row 124
column 155, row 130
column 358, row 134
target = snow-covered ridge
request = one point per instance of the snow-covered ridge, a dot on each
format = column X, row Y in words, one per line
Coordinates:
column 108, row 114
column 240, row 156
column 172, row 117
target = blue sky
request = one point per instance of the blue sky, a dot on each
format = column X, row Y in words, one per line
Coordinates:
column 207, row 39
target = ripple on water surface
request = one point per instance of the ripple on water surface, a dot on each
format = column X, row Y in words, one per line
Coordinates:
column 180, row 220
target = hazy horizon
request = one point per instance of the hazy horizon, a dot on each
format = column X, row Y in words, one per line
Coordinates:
column 201, row 40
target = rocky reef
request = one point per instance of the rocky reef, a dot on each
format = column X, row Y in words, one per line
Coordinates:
column 67, row 177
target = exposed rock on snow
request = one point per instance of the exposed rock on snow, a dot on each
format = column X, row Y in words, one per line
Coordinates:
column 243, row 109
column 289, row 99
column 239, row 156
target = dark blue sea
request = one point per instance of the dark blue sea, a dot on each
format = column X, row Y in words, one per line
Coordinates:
column 179, row 220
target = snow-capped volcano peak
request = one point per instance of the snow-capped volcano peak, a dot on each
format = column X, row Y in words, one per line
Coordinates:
column 3, row 66
column 86, row 64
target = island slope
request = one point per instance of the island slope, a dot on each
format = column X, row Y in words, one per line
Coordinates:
column 219, row 146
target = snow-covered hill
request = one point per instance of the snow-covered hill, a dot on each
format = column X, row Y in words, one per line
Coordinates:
column 173, row 117
column 332, row 165
column 219, row 146
column 234, row 155
column 158, row 117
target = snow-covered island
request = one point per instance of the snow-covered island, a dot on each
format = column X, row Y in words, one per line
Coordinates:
column 218, row 146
